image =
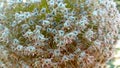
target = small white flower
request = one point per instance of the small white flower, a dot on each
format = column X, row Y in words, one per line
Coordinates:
column 1, row 27
column 95, row 12
column 53, row 12
column 57, row 52
column 16, row 41
column 54, row 31
column 43, row 10
column 1, row 6
column 35, row 12
column 40, row 37
column 71, row 56
column 101, row 12
column 38, row 27
column 47, row 61
column 4, row 36
column 22, row 17
column 101, row 1
column 67, row 23
column 27, row 14
column 14, row 23
column 75, row 33
column 119, row 36
column 49, row 30
column 2, row 16
column 83, row 21
column 30, row 48
column 28, row 34
column 31, row 22
column 19, row 48
column 56, row 39
column 59, row 1
column 61, row 5
column 35, row 1
column 65, row 58
column 61, row 44
column 2, row 47
column 72, row 18
column 77, row 50
column 61, row 32
column 46, row 22
column 89, row 34
column 19, row 1
column 16, row 15
column 25, row 26
column 97, row 42
column 82, row 54
column 51, row 2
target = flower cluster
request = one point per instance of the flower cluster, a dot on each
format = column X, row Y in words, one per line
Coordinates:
column 57, row 33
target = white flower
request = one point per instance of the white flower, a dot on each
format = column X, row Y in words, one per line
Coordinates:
column 72, row 18
column 54, row 31
column 89, row 34
column 28, row 34
column 53, row 12
column 47, row 61
column 16, row 41
column 31, row 22
column 40, row 37
column 77, row 50
column 61, row 44
column 21, row 17
column 67, row 23
column 25, row 26
column 35, row 12
column 119, row 36
column 49, row 29
column 2, row 47
column 30, row 48
column 101, row 12
column 19, row 1
column 4, row 36
column 61, row 32
column 2, row 16
column 35, row 1
column 14, row 23
column 56, row 39
column 101, row 1
column 57, row 52
column 61, row 5
column 97, row 42
column 46, row 22
column 71, row 56
column 83, row 21
column 1, row 6
column 43, row 10
column 19, row 48
column 75, row 33
column 51, row 2
column 1, row 27
column 38, row 27
column 65, row 58
column 16, row 15
column 95, row 12
column 59, row 1
column 27, row 14
column 82, row 54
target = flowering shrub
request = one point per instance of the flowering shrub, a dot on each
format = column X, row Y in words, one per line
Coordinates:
column 57, row 33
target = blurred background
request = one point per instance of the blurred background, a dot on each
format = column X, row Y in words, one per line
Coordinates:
column 118, row 3
column 115, row 61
